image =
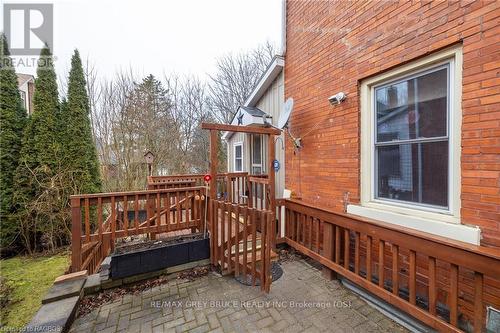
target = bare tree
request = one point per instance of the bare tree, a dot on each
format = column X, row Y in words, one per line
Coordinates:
column 131, row 115
column 189, row 109
column 235, row 77
column 94, row 90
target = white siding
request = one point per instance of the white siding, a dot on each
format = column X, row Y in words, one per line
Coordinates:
column 272, row 103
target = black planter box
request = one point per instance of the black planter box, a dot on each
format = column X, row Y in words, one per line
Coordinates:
column 158, row 257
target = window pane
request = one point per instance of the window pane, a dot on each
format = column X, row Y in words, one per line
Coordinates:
column 237, row 151
column 238, row 164
column 416, row 172
column 256, row 170
column 415, row 108
column 256, row 149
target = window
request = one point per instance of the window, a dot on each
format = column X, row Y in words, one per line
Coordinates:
column 23, row 99
column 411, row 138
column 410, row 144
column 238, row 157
column 257, row 158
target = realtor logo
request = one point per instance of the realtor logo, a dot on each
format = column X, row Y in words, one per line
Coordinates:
column 28, row 27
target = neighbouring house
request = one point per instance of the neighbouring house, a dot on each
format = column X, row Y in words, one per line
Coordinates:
column 26, row 86
column 248, row 152
column 416, row 143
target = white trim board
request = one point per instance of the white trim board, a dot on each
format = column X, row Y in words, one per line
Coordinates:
column 443, row 223
column 460, row 232
column 271, row 73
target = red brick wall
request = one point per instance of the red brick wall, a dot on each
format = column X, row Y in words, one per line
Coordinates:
column 333, row 45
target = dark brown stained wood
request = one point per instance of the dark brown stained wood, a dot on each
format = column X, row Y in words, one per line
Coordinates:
column 356, row 253
column 307, row 231
column 113, row 222
column 236, row 209
column 413, row 277
column 328, row 250
column 245, row 240
column 228, row 207
column 263, row 236
column 477, row 258
column 297, row 227
column 223, row 236
column 136, row 212
column 318, row 242
column 346, row 248
column 213, row 163
column 229, row 188
column 125, row 214
column 99, row 218
column 87, row 220
column 250, row 193
column 186, row 208
column 432, row 286
column 270, row 223
column 254, row 244
column 157, row 211
column 241, row 129
column 453, row 294
column 215, row 231
column 395, row 269
column 193, row 203
column 478, row 302
column 387, row 296
column 76, row 232
column 369, row 258
column 381, row 246
column 337, row 244
column 177, row 208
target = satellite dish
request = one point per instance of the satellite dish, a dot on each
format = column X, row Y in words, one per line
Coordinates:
column 285, row 115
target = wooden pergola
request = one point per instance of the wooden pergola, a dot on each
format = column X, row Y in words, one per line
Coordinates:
column 270, row 132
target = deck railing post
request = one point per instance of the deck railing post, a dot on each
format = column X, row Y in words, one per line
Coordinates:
column 329, row 249
column 76, row 235
column 213, row 188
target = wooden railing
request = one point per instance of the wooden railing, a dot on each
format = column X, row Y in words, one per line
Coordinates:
column 99, row 220
column 241, row 241
column 234, row 187
column 231, row 186
column 258, row 186
column 445, row 284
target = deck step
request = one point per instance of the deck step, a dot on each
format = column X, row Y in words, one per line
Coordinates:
column 258, row 245
column 258, row 256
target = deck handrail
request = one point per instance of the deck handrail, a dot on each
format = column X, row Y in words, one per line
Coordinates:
column 129, row 193
column 99, row 219
column 433, row 278
column 489, row 252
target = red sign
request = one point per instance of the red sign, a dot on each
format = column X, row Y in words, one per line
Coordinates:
column 207, row 178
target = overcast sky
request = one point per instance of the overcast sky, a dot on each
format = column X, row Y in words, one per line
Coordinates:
column 184, row 36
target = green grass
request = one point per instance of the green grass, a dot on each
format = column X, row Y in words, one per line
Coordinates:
column 28, row 279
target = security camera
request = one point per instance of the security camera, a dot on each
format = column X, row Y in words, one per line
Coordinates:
column 337, row 98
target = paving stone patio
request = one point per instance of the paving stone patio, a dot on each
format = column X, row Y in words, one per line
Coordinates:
column 300, row 301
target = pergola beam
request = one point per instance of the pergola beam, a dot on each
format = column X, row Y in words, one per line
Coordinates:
column 242, row 129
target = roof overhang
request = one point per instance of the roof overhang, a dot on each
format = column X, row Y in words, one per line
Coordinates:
column 271, row 73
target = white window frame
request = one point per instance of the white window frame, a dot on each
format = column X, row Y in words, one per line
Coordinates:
column 238, row 144
column 252, row 164
column 23, row 99
column 449, row 64
column 436, row 220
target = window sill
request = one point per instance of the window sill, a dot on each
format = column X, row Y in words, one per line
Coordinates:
column 456, row 231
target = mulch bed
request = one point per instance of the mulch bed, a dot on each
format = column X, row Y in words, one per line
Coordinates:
column 92, row 302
